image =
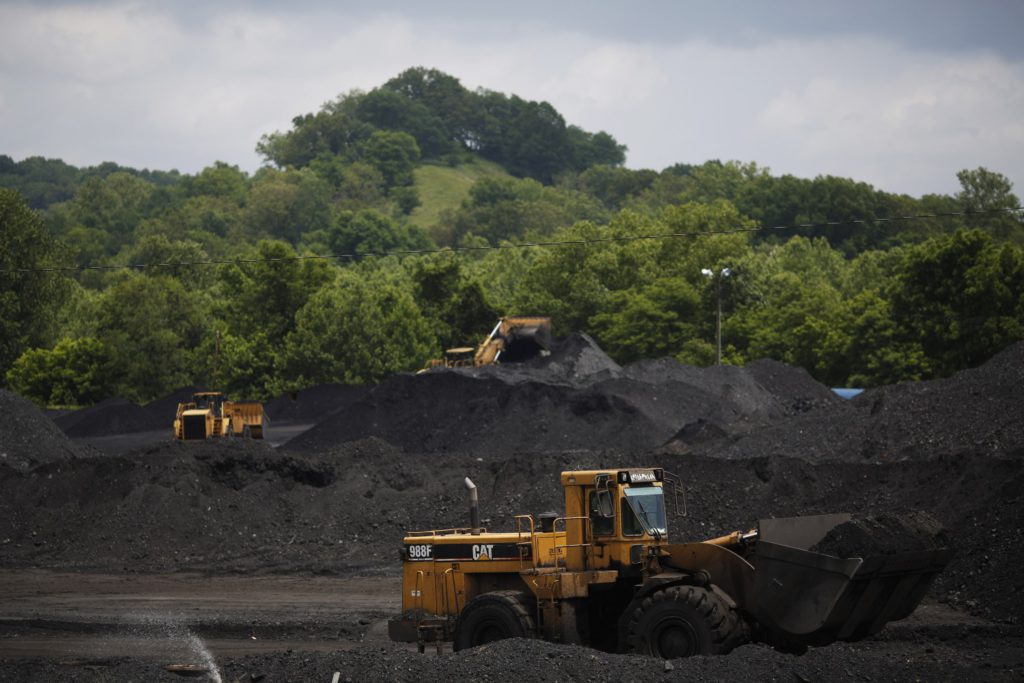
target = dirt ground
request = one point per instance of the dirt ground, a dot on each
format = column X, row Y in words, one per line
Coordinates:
column 100, row 627
column 122, row 551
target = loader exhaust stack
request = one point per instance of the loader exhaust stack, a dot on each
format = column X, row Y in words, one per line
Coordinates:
column 474, row 508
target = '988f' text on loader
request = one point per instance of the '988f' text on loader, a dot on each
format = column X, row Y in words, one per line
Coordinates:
column 604, row 574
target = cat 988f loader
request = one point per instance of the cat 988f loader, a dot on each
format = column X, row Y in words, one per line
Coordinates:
column 604, row 574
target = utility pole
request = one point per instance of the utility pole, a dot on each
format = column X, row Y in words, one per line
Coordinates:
column 718, row 277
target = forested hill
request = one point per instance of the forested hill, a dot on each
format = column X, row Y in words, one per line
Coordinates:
column 422, row 163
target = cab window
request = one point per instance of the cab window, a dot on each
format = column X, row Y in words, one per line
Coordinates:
column 631, row 526
column 602, row 524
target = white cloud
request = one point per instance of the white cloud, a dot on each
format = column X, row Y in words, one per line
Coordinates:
column 132, row 83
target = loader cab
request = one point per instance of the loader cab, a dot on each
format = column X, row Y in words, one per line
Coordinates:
column 208, row 400
column 612, row 517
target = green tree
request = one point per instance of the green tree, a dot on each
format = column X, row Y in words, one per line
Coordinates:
column 371, row 232
column 219, row 180
column 390, row 111
column 335, row 130
column 74, row 372
column 984, row 190
column 594, row 149
column 443, row 95
column 286, row 204
column 115, row 204
column 264, row 294
column 797, row 323
column 875, row 353
column 654, row 321
column 359, row 330
column 454, row 304
column 243, row 367
column 961, row 298
column 152, row 326
column 30, row 296
column 613, row 185
column 507, row 209
column 160, row 255
column 394, row 154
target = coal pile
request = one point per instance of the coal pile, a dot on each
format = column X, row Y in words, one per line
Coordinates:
column 883, row 535
column 120, row 416
column 975, row 413
column 116, row 416
column 313, row 404
column 28, row 438
column 232, row 505
column 576, row 398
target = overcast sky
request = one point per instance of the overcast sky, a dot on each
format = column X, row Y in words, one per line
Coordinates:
column 898, row 94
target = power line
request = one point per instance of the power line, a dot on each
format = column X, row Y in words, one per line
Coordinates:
column 524, row 245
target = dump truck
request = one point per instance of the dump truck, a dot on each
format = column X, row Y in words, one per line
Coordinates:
column 210, row 414
column 604, row 574
column 514, row 338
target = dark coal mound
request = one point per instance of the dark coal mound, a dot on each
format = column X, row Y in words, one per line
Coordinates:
column 314, row 403
column 160, row 411
column 70, row 420
column 699, row 432
column 227, row 503
column 120, row 416
column 578, row 358
column 883, row 535
column 112, row 416
column 28, row 438
column 576, row 398
column 462, row 411
column 975, row 413
column 793, row 387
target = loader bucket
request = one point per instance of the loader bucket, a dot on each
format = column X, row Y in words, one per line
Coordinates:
column 811, row 598
column 524, row 337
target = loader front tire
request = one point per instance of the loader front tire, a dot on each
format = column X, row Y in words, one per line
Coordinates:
column 681, row 621
column 492, row 616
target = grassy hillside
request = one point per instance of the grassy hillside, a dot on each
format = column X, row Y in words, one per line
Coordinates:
column 445, row 187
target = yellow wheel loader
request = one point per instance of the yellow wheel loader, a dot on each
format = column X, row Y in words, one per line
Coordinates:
column 604, row 574
column 514, row 338
column 209, row 414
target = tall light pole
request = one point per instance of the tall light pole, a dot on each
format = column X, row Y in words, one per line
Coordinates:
column 717, row 277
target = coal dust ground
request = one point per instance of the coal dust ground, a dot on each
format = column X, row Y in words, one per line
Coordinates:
column 122, row 551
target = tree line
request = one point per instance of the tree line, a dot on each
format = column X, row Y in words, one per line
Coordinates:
column 862, row 303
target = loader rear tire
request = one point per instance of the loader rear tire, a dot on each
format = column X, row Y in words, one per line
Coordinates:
column 492, row 616
column 682, row 621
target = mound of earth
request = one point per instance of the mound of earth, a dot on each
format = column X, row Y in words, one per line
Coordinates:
column 28, row 438
column 314, row 403
column 576, row 398
column 883, row 534
column 793, row 387
column 120, row 416
column 974, row 413
column 232, row 505
column 113, row 416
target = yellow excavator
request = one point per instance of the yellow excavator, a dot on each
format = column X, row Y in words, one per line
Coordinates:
column 514, row 338
column 604, row 574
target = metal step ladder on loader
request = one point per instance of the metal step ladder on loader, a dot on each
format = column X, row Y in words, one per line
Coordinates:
column 604, row 574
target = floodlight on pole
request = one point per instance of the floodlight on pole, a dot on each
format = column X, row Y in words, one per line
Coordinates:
column 722, row 274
